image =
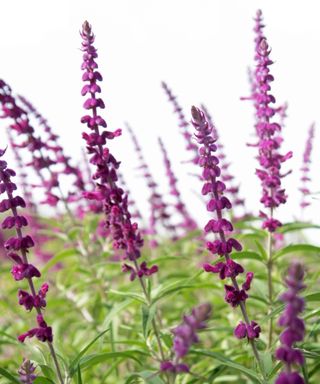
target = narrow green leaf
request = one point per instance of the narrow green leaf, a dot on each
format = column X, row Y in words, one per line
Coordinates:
column 75, row 361
column 306, row 248
column 149, row 377
column 9, row 376
column 315, row 296
column 147, row 317
column 246, row 255
column 297, row 227
column 114, row 312
column 97, row 358
column 59, row 257
column 229, row 363
column 43, row 380
column 79, row 378
column 47, row 371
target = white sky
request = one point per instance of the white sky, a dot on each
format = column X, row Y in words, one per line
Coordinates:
column 201, row 48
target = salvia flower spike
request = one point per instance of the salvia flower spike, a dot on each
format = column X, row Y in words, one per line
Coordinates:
column 185, row 335
column 226, row 177
column 124, row 233
column 17, row 248
column 293, row 324
column 183, row 123
column 269, row 157
column 224, row 244
column 26, row 372
column 58, row 151
column 188, row 222
column 305, row 169
column 158, row 207
column 35, row 145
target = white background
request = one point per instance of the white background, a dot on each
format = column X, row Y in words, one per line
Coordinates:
column 201, row 48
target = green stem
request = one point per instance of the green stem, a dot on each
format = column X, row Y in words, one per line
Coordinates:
column 270, row 286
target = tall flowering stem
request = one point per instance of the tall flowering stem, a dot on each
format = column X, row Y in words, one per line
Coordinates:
column 183, row 123
column 305, row 169
column 17, row 248
column 124, row 232
column 32, row 216
column 270, row 159
column 293, row 324
column 35, row 145
column 226, row 177
column 185, row 335
column 223, row 245
column 56, row 148
column 187, row 221
column 158, row 207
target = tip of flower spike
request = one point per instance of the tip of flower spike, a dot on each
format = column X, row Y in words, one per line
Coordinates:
column 3, row 151
column 195, row 112
column 86, row 27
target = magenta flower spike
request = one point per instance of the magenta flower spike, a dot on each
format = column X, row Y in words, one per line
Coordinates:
column 188, row 222
column 26, row 372
column 35, row 145
column 232, row 190
column 293, row 324
column 183, row 123
column 185, row 335
column 58, row 152
column 269, row 140
column 158, row 207
column 124, row 233
column 305, row 169
column 17, row 248
column 222, row 228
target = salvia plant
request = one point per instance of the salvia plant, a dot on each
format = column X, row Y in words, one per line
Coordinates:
column 96, row 288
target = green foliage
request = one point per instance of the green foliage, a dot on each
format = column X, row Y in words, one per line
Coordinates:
column 103, row 323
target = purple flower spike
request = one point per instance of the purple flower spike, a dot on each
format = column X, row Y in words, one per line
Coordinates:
column 294, row 325
column 185, row 335
column 268, row 131
column 226, row 177
column 17, row 249
column 223, row 245
column 305, row 169
column 187, row 221
column 26, row 372
column 124, row 233
column 60, row 157
column 158, row 207
column 183, row 123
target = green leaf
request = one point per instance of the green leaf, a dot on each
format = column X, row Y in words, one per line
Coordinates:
column 229, row 363
column 97, row 358
column 132, row 295
column 75, row 361
column 261, row 249
column 43, row 380
column 267, row 362
column 296, row 227
column 147, row 317
column 149, row 377
column 312, row 297
column 307, row 248
column 115, row 310
column 47, row 371
column 79, row 378
column 59, row 257
column 246, row 255
column 8, row 375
